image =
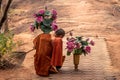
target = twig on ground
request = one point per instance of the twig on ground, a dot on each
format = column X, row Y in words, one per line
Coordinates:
column 69, row 31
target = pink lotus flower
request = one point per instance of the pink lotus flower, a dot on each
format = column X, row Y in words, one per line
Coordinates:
column 35, row 15
column 70, row 50
column 54, row 17
column 54, row 26
column 39, row 19
column 87, row 49
column 77, row 45
column 41, row 11
column 92, row 42
column 54, row 14
column 71, row 39
column 70, row 46
column 32, row 28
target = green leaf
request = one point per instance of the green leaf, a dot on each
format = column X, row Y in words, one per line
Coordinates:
column 84, row 43
column 79, row 38
column 68, row 53
column 6, row 43
column 78, row 51
column 39, row 14
column 36, row 24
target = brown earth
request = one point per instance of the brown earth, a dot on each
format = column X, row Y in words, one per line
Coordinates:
column 89, row 18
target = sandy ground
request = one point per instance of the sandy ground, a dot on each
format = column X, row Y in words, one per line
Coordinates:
column 89, row 18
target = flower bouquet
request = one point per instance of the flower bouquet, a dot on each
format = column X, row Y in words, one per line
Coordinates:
column 78, row 46
column 45, row 20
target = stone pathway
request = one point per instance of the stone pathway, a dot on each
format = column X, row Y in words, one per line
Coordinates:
column 95, row 66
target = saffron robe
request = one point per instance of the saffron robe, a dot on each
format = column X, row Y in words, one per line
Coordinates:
column 57, row 56
column 42, row 57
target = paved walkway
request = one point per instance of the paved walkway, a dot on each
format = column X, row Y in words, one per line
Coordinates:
column 95, row 66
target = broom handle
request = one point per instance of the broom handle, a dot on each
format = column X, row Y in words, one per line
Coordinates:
column 30, row 50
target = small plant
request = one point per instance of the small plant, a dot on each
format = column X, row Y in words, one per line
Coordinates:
column 6, row 47
column 6, row 43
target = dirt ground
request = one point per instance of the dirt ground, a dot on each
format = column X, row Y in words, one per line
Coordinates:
column 92, row 18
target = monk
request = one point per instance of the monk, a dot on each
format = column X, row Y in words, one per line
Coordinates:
column 57, row 53
column 42, row 44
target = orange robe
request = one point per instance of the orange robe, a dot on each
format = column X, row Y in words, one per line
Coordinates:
column 57, row 56
column 42, row 57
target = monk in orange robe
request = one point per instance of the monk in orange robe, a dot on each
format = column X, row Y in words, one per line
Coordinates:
column 42, row 57
column 43, row 43
column 57, row 55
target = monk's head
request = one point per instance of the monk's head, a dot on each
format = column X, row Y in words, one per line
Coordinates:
column 60, row 33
